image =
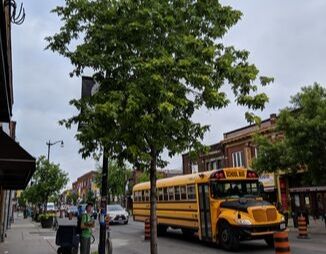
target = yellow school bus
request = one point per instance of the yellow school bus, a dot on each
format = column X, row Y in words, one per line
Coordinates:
column 221, row 206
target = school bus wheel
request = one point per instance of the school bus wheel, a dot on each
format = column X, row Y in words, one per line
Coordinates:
column 228, row 237
column 161, row 229
column 269, row 240
column 188, row 232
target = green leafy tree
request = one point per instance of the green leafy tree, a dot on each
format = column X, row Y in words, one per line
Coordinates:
column 117, row 178
column 303, row 148
column 22, row 201
column 156, row 62
column 48, row 180
column 72, row 198
column 145, row 177
column 90, row 197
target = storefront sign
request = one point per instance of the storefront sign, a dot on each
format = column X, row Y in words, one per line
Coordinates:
column 268, row 181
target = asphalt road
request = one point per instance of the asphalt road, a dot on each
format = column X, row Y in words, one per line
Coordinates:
column 129, row 239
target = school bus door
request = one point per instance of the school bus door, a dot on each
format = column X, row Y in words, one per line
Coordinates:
column 204, row 212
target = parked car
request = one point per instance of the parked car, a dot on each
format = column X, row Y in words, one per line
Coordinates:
column 117, row 214
column 50, row 207
column 73, row 209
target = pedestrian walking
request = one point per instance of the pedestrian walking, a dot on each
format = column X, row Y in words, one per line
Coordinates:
column 87, row 223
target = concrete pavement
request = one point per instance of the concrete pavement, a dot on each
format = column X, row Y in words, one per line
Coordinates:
column 28, row 237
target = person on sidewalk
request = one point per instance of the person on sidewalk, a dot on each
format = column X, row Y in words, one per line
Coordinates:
column 87, row 223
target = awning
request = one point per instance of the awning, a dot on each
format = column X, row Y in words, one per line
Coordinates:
column 308, row 189
column 16, row 165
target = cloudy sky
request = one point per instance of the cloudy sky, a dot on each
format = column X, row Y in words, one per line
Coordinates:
column 287, row 40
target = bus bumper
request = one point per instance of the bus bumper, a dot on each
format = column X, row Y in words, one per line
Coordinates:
column 257, row 232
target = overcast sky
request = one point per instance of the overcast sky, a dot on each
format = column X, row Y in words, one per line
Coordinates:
column 286, row 40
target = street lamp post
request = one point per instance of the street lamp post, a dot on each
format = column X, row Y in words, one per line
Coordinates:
column 49, row 144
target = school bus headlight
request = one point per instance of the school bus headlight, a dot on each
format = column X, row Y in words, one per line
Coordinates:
column 282, row 218
column 243, row 221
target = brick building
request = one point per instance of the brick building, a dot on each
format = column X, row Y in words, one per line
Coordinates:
column 212, row 160
column 84, row 184
column 237, row 149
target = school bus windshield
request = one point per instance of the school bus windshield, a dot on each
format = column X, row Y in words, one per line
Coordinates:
column 234, row 189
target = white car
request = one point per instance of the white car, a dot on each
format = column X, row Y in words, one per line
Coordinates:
column 117, row 214
column 50, row 207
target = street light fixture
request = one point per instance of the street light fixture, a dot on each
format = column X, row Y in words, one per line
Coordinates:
column 49, row 144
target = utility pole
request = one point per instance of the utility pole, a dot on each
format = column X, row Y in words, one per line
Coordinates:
column 104, row 199
column 49, row 144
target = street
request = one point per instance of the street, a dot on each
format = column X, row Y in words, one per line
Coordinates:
column 129, row 239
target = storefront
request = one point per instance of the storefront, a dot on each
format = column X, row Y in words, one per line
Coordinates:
column 268, row 181
column 309, row 199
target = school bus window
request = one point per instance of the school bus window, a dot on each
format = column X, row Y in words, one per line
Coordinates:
column 191, row 192
column 146, row 194
column 165, row 194
column 177, row 192
column 234, row 189
column 160, row 194
column 251, row 187
column 183, row 192
column 171, row 193
column 142, row 196
column 138, row 196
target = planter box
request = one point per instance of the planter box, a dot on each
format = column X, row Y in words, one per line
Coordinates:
column 47, row 223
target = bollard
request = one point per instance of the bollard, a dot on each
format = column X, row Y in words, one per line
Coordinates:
column 281, row 242
column 302, row 227
column 147, row 229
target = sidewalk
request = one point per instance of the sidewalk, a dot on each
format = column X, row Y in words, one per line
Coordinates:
column 316, row 237
column 28, row 237
column 314, row 227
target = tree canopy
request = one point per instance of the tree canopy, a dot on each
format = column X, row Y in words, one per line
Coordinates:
column 117, row 178
column 156, row 63
column 303, row 147
column 48, row 180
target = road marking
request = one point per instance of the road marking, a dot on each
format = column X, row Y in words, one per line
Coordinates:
column 49, row 237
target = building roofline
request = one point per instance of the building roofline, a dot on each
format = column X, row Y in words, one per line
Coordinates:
column 87, row 173
column 246, row 127
column 219, row 143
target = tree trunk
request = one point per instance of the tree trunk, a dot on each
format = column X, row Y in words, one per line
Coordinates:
column 104, row 200
column 46, row 205
column 153, row 218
